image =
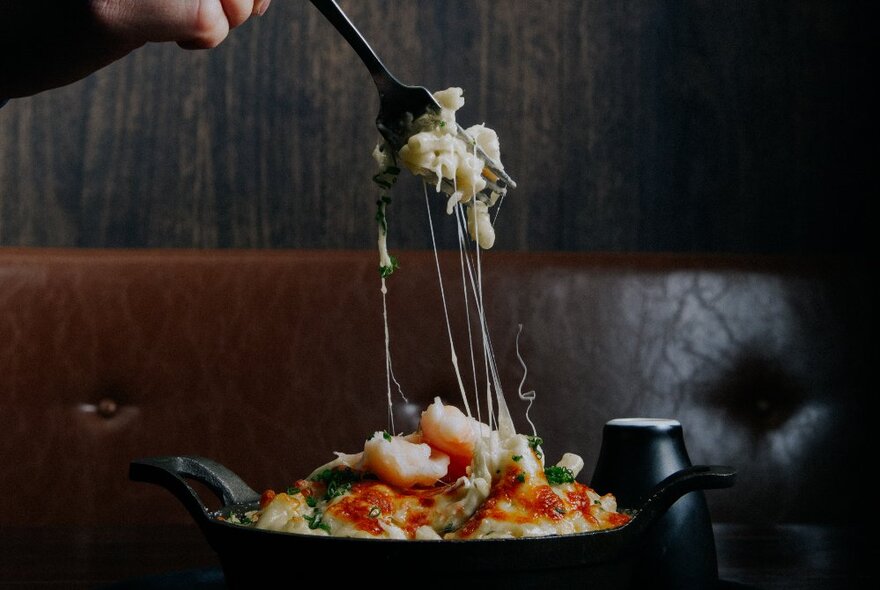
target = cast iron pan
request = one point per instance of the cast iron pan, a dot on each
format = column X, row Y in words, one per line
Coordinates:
column 253, row 558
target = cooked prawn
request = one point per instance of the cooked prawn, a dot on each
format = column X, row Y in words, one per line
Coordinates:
column 402, row 463
column 448, row 429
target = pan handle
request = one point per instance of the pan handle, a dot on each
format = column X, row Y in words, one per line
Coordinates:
column 169, row 472
column 668, row 491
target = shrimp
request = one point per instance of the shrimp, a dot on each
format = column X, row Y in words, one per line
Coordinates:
column 449, row 430
column 402, row 463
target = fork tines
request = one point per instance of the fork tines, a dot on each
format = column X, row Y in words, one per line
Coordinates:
column 495, row 176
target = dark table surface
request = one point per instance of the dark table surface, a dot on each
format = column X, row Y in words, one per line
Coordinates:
column 802, row 557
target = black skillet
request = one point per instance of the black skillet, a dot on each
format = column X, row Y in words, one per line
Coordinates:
column 253, row 558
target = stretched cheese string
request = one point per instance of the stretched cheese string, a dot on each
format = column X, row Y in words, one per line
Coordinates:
column 464, row 399
column 505, row 423
column 528, row 396
column 420, row 162
column 389, row 369
column 502, row 418
column 387, row 356
column 463, row 260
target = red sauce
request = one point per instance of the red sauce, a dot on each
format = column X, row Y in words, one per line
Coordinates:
column 360, row 506
column 529, row 502
column 545, row 503
column 305, row 487
column 415, row 519
column 581, row 501
column 266, row 497
column 457, row 468
column 618, row 519
column 524, row 502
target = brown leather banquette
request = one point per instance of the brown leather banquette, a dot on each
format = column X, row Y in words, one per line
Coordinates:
column 270, row 360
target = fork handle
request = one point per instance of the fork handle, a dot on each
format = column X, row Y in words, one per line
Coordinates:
column 381, row 76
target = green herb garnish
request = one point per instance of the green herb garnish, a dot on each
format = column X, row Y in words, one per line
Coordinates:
column 557, row 475
column 521, row 477
column 386, row 436
column 316, row 521
column 386, row 270
column 385, row 180
column 310, row 500
column 387, row 177
column 534, row 443
column 338, row 481
column 293, row 490
column 381, row 204
column 517, row 457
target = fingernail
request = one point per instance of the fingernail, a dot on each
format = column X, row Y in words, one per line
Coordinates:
column 261, row 6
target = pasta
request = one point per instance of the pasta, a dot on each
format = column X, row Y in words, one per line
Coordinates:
column 449, row 158
column 452, row 479
column 455, row 477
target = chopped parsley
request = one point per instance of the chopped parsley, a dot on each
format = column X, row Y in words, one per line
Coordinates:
column 386, row 270
column 521, row 477
column 310, row 500
column 385, row 180
column 338, row 481
column 381, row 204
column 517, row 457
column 316, row 521
column 557, row 475
column 387, row 177
column 292, row 490
column 534, row 443
column 386, row 436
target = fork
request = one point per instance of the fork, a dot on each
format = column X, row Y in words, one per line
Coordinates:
column 399, row 104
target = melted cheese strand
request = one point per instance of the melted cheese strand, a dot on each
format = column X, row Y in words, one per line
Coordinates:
column 528, row 396
column 389, row 367
column 462, row 256
column 461, row 218
column 504, row 421
column 445, row 309
column 384, row 290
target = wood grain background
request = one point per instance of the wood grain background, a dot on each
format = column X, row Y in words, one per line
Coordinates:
column 630, row 126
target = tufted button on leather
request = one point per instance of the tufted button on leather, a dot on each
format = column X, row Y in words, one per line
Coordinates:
column 107, row 407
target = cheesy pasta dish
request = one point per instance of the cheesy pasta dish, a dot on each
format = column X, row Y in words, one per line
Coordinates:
column 452, row 479
column 455, row 477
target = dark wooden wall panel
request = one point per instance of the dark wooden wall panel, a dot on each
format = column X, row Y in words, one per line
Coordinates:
column 634, row 126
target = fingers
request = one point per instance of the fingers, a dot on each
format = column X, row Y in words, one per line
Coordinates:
column 237, row 11
column 260, row 7
column 210, row 24
column 193, row 24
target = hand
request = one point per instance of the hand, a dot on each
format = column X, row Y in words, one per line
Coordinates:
column 55, row 42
